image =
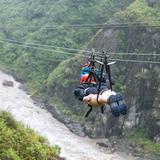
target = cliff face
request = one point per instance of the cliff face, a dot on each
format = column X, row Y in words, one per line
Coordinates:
column 140, row 80
column 139, row 83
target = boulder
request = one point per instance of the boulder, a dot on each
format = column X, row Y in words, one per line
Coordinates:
column 8, row 83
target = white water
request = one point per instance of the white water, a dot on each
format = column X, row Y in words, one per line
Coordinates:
column 17, row 102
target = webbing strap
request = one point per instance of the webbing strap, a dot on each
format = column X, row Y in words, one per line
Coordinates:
column 99, row 85
column 109, row 76
column 108, row 71
column 89, row 111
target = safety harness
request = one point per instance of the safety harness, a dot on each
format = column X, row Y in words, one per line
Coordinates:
column 103, row 64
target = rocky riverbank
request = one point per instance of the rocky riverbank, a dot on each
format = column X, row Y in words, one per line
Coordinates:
column 22, row 107
column 114, row 144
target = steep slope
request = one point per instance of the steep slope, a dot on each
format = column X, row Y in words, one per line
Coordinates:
column 39, row 68
column 27, row 22
column 24, row 109
column 139, row 82
column 47, row 23
column 18, row 142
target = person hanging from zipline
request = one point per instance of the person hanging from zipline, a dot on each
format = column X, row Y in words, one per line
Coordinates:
column 89, row 82
column 96, row 91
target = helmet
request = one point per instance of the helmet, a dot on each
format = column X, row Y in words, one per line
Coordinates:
column 86, row 70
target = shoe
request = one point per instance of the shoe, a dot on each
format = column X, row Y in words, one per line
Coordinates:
column 79, row 93
column 122, row 104
column 114, row 107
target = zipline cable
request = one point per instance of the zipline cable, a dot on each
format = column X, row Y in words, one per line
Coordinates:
column 49, row 46
column 133, row 61
column 116, row 25
column 119, row 60
column 79, row 50
column 38, row 48
column 134, row 54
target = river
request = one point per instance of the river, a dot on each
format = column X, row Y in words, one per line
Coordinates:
column 73, row 147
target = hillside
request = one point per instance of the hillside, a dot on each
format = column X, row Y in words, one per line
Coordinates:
column 139, row 82
column 139, row 77
column 20, row 143
column 53, row 73
column 25, row 24
column 47, row 23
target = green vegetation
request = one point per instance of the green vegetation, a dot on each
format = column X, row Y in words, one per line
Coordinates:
column 63, row 74
column 54, row 74
column 140, row 12
column 31, row 17
column 143, row 143
column 44, row 71
column 20, row 143
column 73, row 114
column 136, row 41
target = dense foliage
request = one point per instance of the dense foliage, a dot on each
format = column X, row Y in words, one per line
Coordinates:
column 26, row 21
column 138, row 40
column 143, row 142
column 45, row 71
column 139, row 82
column 140, row 12
column 20, row 143
column 127, row 40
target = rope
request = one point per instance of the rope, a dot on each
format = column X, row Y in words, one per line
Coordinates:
column 103, row 25
column 38, row 48
column 134, row 61
column 50, row 50
column 79, row 50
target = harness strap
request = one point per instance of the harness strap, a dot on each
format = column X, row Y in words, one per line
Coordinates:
column 102, row 109
column 89, row 111
column 99, row 85
column 108, row 71
column 109, row 76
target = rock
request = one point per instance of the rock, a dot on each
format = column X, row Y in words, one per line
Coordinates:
column 76, row 129
column 103, row 126
column 157, row 139
column 113, row 150
column 8, row 83
column 152, row 3
column 99, row 129
column 105, row 145
column 152, row 117
column 24, row 88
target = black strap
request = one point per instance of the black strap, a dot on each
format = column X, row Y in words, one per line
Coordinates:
column 109, row 76
column 108, row 71
column 102, row 109
column 90, row 76
column 89, row 111
column 99, row 85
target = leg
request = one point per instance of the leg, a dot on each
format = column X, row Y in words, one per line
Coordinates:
column 122, row 104
column 79, row 93
column 114, row 107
